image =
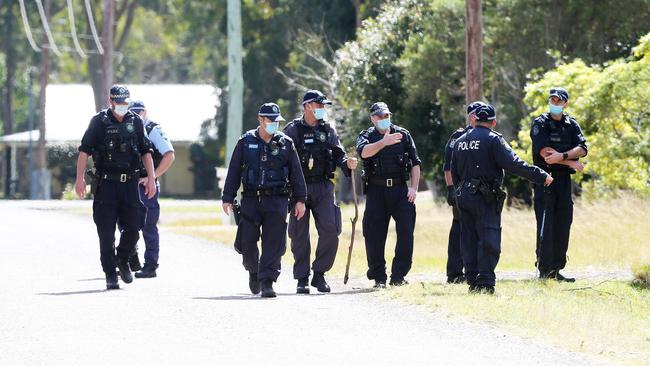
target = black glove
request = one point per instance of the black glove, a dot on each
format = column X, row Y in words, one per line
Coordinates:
column 451, row 196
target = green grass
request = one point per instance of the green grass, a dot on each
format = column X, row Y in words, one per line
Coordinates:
column 610, row 319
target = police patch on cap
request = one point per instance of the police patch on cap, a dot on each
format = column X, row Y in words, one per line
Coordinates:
column 472, row 107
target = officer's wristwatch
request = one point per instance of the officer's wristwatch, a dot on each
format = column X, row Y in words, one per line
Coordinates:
column 565, row 156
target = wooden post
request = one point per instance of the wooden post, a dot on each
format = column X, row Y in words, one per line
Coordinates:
column 473, row 51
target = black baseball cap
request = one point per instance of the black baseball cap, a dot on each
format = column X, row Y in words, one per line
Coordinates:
column 560, row 93
column 272, row 111
column 120, row 94
column 485, row 113
column 473, row 106
column 315, row 96
column 379, row 108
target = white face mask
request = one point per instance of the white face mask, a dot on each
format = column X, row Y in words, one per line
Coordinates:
column 121, row 109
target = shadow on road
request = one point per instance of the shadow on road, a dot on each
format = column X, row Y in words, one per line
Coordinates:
column 72, row 292
column 92, row 279
column 280, row 294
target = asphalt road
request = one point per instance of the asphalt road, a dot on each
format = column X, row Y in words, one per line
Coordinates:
column 54, row 310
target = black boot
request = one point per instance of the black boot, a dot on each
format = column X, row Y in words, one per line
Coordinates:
column 545, row 275
column 456, row 279
column 148, row 271
column 398, row 281
column 380, row 284
column 253, row 283
column 482, row 289
column 319, row 282
column 111, row 283
column 267, row 288
column 303, row 286
column 560, row 278
column 134, row 263
column 125, row 271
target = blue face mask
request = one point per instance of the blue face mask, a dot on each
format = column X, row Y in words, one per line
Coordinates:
column 383, row 124
column 320, row 113
column 556, row 109
column 272, row 127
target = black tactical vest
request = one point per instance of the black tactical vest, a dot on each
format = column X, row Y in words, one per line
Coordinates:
column 118, row 153
column 265, row 165
column 390, row 162
column 315, row 151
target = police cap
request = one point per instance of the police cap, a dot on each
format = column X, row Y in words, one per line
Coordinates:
column 136, row 106
column 315, row 96
column 485, row 113
column 560, row 93
column 272, row 111
column 379, row 108
column 473, row 106
column 120, row 94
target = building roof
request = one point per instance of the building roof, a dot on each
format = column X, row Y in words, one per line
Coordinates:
column 179, row 109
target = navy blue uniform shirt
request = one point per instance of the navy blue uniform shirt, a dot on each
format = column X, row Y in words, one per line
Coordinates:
column 372, row 135
column 449, row 148
column 562, row 135
column 234, row 177
column 481, row 152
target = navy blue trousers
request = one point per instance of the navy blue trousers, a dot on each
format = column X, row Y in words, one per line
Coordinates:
column 150, row 228
column 454, row 253
column 327, row 217
column 480, row 237
column 265, row 217
column 115, row 201
column 556, row 200
column 382, row 203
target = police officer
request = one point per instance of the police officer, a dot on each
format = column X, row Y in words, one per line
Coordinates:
column 266, row 163
column 116, row 140
column 454, row 253
column 391, row 172
column 479, row 158
column 320, row 152
column 558, row 143
column 163, row 157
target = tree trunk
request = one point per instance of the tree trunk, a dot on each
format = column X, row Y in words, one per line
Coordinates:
column 473, row 51
column 357, row 13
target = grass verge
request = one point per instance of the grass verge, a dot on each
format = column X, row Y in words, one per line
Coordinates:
column 610, row 319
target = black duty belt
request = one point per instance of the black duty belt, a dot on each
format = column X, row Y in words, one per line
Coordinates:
column 120, row 177
column 386, row 182
column 266, row 192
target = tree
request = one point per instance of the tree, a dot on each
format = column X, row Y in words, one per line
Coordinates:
column 610, row 103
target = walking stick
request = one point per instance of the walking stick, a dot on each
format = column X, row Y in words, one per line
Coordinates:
column 540, row 238
column 354, row 224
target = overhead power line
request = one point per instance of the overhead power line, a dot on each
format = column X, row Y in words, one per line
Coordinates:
column 28, row 29
column 73, row 31
column 46, row 27
column 93, row 30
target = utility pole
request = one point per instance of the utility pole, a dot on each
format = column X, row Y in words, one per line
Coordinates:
column 473, row 51
column 42, row 175
column 235, row 78
column 30, row 127
column 107, row 40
